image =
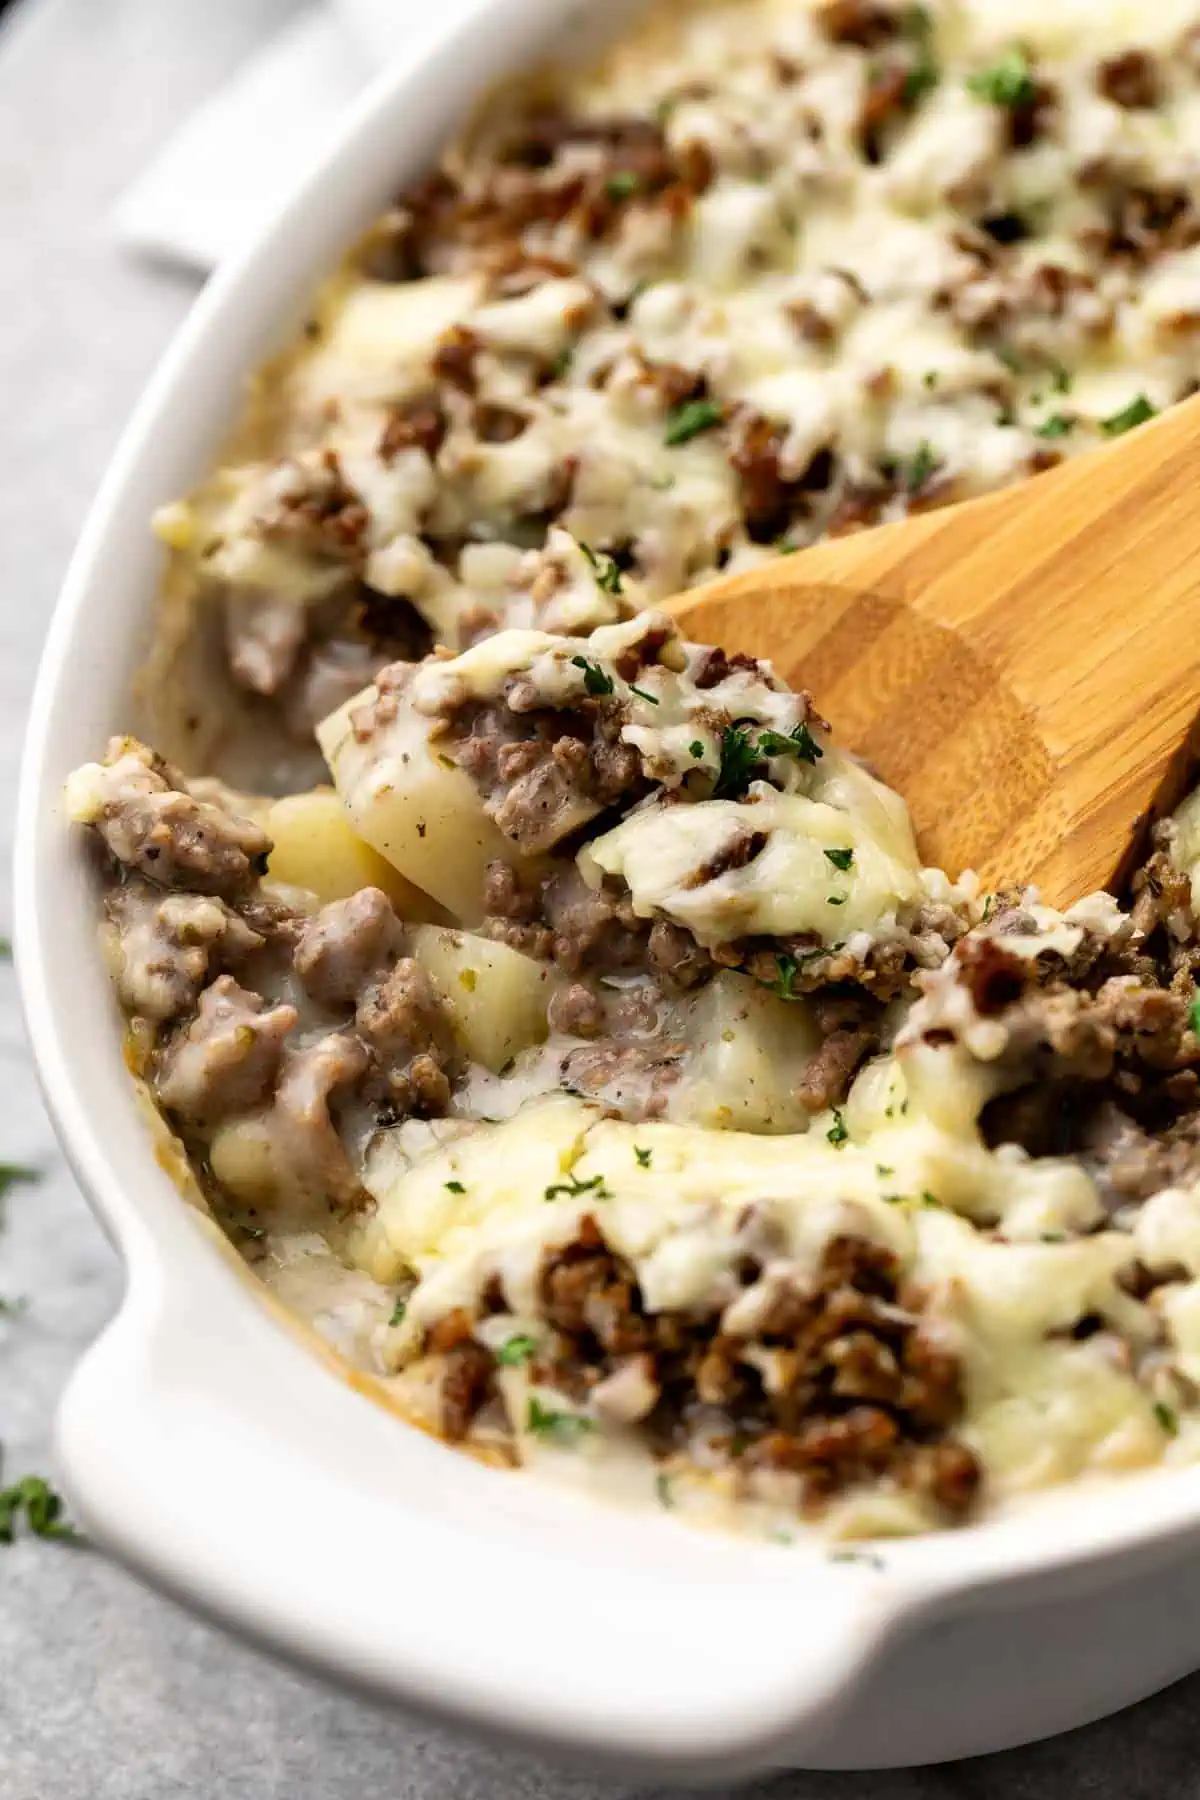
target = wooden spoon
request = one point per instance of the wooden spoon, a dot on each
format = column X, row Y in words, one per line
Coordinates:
column 1024, row 667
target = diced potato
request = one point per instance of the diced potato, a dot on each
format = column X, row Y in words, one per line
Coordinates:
column 750, row 1048
column 413, row 806
column 316, row 847
column 242, row 1157
column 496, row 998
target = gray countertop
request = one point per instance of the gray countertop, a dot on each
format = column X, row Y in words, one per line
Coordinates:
column 106, row 1691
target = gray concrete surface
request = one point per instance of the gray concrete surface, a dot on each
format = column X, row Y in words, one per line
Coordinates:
column 107, row 1692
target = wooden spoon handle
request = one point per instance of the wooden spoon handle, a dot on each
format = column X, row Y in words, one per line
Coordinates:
column 1024, row 667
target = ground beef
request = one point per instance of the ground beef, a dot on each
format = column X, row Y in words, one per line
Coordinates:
column 264, row 634
column 346, row 944
column 164, row 947
column 226, row 1060
column 769, row 498
column 867, row 24
column 139, row 805
column 829, row 1072
column 545, row 773
column 635, row 1079
column 1132, row 80
column 313, row 1078
column 404, row 1021
column 467, row 1374
column 860, row 1391
column 415, row 424
column 316, row 509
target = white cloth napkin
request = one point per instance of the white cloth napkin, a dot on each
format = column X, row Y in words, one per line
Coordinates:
column 234, row 160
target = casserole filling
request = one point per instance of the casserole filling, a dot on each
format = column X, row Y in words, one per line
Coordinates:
column 594, row 1060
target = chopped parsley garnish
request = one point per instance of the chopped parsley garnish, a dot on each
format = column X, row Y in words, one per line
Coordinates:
column 574, row 1187
column 928, row 1199
column 621, row 185
column 15, row 1174
column 608, row 576
column 689, row 420
column 643, row 695
column 1137, row 412
column 662, row 1487
column 884, row 1169
column 837, row 1133
column 595, row 681
column 562, row 363
column 740, row 754
column 398, row 1312
column 1056, row 426
column 930, row 379
column 788, row 970
column 643, row 1156
column 836, row 900
column 920, row 467
column 738, row 759
column 867, row 1557
column 563, row 1427
column 799, row 742
column 515, row 1350
column 1006, row 83
column 455, row 1187
column 1063, row 379
column 1194, row 1015
column 1054, row 1237
column 696, row 748
column 924, row 75
column 841, row 859
column 1167, row 1418
column 42, row 1507
column 789, row 967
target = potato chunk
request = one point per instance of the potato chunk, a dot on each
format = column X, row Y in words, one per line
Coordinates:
column 316, row 847
column 413, row 805
column 496, row 998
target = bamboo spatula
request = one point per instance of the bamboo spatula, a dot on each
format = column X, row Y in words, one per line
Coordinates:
column 1024, row 668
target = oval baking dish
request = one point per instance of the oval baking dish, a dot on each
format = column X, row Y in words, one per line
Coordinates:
column 217, row 1456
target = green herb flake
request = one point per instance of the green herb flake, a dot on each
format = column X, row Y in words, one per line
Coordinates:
column 608, row 580
column 1138, row 412
column 1064, row 381
column 836, row 900
column 643, row 1156
column 1007, row 83
column 799, row 742
column 841, row 859
column 562, row 1428
column 837, row 1133
column 788, row 969
column 17, row 1175
column 595, row 681
column 696, row 748
column 42, row 1508
column 623, row 184
column 1056, row 426
column 520, row 1348
column 575, row 1187
column 928, row 1199
column 689, row 420
column 1054, row 1237
column 1167, row 1418
column 921, row 466
column 930, row 379
column 643, row 695
column 455, row 1187
column 663, row 1489
column 738, row 758
column 1194, row 1014
column 882, row 1169
column 561, row 363
column 868, row 1558
column 398, row 1312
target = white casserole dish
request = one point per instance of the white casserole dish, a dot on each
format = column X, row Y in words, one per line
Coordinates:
column 220, row 1459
